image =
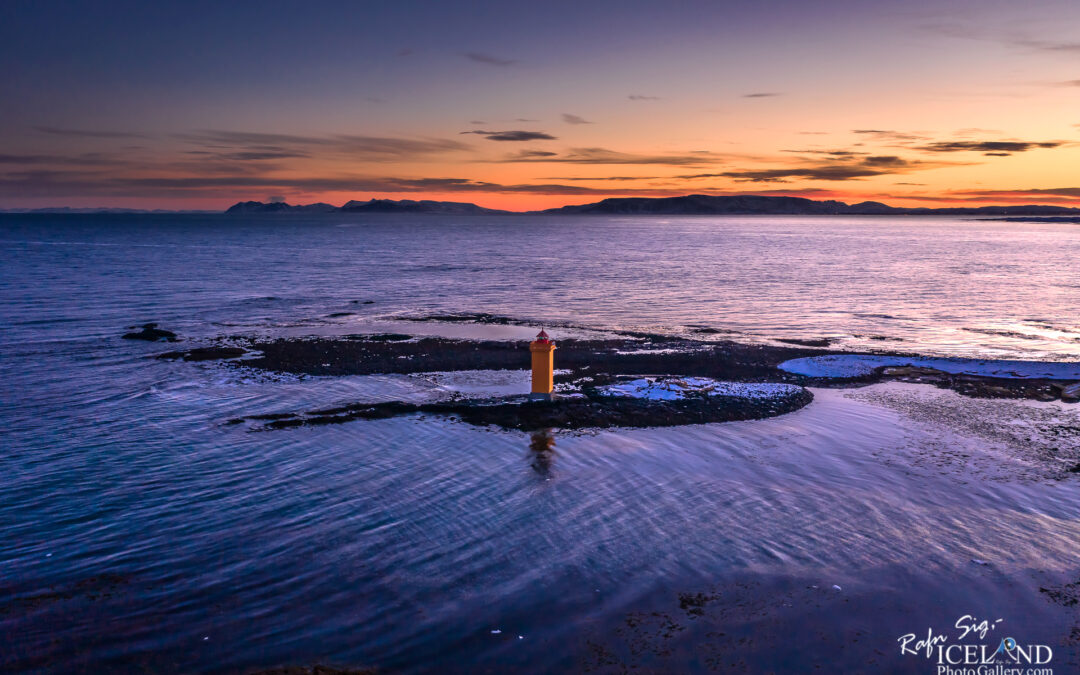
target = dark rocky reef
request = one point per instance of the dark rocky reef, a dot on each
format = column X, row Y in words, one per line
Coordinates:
column 151, row 333
column 597, row 358
column 213, row 353
column 465, row 317
column 1036, row 219
column 980, row 386
column 806, row 342
column 601, row 360
column 590, row 410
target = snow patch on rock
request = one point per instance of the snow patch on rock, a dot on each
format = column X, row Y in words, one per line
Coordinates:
column 677, row 389
column 858, row 365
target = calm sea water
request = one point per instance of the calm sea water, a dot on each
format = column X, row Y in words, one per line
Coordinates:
column 137, row 531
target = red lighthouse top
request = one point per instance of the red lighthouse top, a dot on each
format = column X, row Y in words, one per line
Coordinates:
column 542, row 336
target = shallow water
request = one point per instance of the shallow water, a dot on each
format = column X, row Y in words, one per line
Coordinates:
column 139, row 531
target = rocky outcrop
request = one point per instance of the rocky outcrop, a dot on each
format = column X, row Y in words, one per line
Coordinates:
column 151, row 333
column 591, row 410
column 1071, row 393
column 204, row 354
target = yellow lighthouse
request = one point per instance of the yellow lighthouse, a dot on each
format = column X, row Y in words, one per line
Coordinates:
column 543, row 366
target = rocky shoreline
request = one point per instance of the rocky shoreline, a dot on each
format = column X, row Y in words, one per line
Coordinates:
column 584, row 365
column 586, row 410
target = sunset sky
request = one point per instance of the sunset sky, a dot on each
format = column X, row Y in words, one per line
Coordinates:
column 528, row 105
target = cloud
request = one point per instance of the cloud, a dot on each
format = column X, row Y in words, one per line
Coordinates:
column 976, row 131
column 1059, row 192
column 762, row 94
column 993, row 148
column 530, row 154
column 512, row 135
column 1070, row 83
column 888, row 135
column 178, row 180
column 886, row 161
column 488, row 59
column 603, row 178
column 574, row 119
column 863, row 167
column 831, row 153
column 22, row 159
column 1048, row 45
column 53, row 184
column 605, row 156
column 988, row 147
column 1069, row 196
column 86, row 133
column 838, row 172
column 82, row 159
column 970, row 33
column 642, row 97
column 372, row 148
column 469, row 185
column 261, row 155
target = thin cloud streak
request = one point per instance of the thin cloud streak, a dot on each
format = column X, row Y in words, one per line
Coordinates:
column 864, row 167
column 605, row 156
column 1004, row 147
column 513, row 136
column 372, row 148
column 87, row 133
column 488, row 59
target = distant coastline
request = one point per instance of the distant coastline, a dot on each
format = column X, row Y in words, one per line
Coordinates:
column 688, row 205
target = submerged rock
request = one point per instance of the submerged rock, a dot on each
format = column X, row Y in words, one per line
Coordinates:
column 151, row 333
column 204, row 354
column 807, row 342
column 380, row 337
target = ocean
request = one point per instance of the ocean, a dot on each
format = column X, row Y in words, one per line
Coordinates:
column 140, row 532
